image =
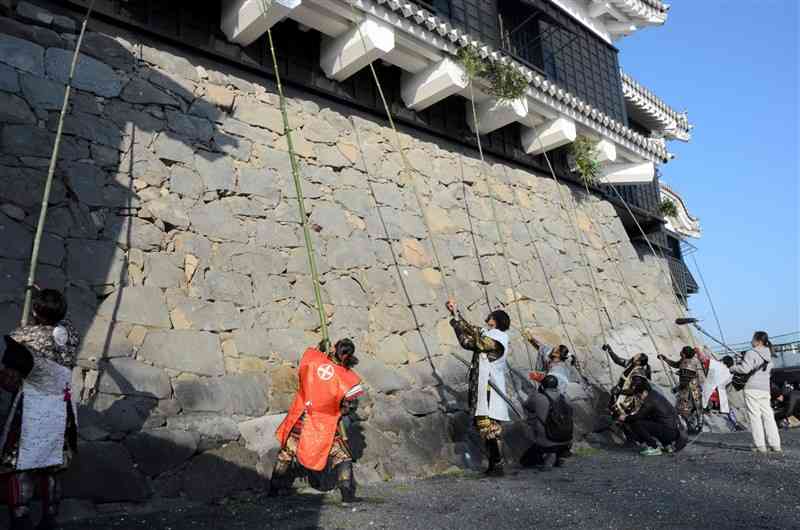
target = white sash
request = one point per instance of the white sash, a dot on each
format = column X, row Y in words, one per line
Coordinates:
column 489, row 403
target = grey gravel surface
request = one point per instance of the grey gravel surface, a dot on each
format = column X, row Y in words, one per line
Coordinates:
column 714, row 483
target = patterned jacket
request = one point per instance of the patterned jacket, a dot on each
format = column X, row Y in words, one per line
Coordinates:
column 471, row 338
column 54, row 343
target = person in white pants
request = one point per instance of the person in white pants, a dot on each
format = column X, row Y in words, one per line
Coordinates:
column 758, row 362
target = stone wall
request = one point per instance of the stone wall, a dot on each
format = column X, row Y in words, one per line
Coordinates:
column 173, row 229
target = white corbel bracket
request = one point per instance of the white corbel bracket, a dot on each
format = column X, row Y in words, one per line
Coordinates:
column 347, row 54
column 606, row 151
column 244, row 21
column 635, row 173
column 494, row 114
column 433, row 84
column 549, row 136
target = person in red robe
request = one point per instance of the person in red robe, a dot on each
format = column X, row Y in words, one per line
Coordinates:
column 311, row 433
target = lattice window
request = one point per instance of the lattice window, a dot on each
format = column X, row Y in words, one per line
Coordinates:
column 568, row 53
column 477, row 17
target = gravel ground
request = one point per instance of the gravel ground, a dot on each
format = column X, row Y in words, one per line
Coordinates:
column 716, row 482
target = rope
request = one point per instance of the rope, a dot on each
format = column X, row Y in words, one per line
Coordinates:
column 298, row 186
column 48, row 185
column 659, row 255
column 574, row 225
column 538, row 256
column 396, row 262
column 628, row 289
column 410, row 171
column 484, row 283
column 500, row 237
column 708, row 295
column 406, row 292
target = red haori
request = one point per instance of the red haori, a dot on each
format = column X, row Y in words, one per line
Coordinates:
column 323, row 386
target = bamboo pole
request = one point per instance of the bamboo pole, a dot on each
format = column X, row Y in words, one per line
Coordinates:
column 37, row 239
column 312, row 264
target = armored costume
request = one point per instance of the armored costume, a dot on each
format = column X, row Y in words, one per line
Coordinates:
column 691, row 378
column 311, row 433
column 40, row 432
column 490, row 351
column 623, row 400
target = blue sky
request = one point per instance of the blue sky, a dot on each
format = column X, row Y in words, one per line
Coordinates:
column 734, row 66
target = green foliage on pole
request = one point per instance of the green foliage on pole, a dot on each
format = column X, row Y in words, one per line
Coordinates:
column 584, row 153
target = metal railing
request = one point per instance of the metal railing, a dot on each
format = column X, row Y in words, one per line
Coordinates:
column 785, row 349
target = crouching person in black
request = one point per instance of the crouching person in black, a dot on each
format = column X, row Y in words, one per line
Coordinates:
column 551, row 417
column 785, row 403
column 656, row 422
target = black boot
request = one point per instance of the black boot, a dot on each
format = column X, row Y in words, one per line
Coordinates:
column 280, row 485
column 490, row 457
column 496, row 462
column 346, row 482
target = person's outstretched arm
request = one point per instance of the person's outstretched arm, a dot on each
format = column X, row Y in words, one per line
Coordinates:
column 670, row 362
column 471, row 338
column 616, row 358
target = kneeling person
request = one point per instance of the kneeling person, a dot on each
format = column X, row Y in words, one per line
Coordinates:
column 655, row 422
column 785, row 403
column 551, row 418
column 311, row 433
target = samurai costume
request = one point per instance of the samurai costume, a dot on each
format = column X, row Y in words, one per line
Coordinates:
column 490, row 351
column 40, row 433
column 691, row 378
column 311, row 433
column 623, row 400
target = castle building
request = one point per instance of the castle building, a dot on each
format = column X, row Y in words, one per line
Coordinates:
column 173, row 222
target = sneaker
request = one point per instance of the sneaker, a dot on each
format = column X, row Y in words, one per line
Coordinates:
column 650, row 451
column 759, row 450
column 776, row 450
column 670, row 449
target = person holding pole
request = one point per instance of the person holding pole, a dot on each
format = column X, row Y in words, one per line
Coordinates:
column 40, row 435
column 489, row 348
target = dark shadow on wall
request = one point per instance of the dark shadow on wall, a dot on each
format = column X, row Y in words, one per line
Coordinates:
column 131, row 129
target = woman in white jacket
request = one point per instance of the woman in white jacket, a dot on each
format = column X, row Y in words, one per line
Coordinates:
column 758, row 362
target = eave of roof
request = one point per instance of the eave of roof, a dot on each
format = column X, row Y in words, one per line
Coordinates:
column 684, row 223
column 672, row 124
column 540, row 87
